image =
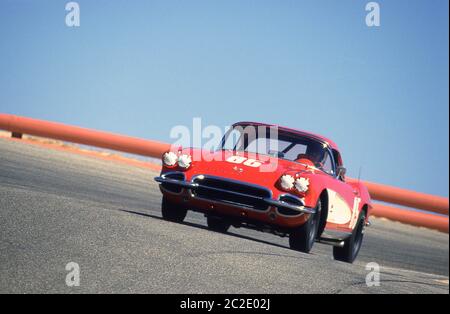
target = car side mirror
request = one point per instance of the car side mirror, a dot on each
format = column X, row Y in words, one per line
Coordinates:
column 341, row 171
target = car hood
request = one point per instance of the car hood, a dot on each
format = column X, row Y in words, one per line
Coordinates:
column 253, row 168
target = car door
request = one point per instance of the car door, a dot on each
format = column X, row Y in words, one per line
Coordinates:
column 343, row 200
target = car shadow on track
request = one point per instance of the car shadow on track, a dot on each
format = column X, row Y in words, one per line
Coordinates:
column 195, row 225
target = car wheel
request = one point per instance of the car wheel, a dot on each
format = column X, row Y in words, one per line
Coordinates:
column 171, row 211
column 217, row 224
column 352, row 245
column 302, row 239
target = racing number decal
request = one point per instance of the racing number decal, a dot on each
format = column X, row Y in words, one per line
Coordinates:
column 246, row 161
column 252, row 163
column 236, row 159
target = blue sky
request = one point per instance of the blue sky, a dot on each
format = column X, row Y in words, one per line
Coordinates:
column 141, row 67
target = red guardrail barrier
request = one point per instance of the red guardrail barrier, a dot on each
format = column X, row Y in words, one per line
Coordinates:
column 59, row 131
column 390, row 194
column 410, row 217
column 21, row 125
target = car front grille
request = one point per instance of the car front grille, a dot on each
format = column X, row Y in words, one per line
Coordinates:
column 231, row 192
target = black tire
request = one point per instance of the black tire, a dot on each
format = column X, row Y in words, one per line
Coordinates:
column 353, row 244
column 217, row 224
column 302, row 239
column 172, row 212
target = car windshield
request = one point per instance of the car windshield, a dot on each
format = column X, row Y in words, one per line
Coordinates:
column 276, row 143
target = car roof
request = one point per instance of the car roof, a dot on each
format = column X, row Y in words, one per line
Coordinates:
column 294, row 131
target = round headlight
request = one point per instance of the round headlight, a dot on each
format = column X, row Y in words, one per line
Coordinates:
column 302, row 184
column 170, row 159
column 287, row 182
column 184, row 161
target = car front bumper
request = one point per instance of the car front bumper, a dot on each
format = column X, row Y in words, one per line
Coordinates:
column 242, row 195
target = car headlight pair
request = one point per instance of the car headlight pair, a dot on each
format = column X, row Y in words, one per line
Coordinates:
column 170, row 159
column 288, row 183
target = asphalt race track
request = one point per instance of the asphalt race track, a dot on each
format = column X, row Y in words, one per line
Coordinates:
column 58, row 207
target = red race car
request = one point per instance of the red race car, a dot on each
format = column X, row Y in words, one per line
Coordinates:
column 273, row 179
